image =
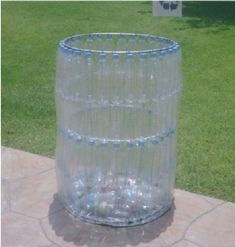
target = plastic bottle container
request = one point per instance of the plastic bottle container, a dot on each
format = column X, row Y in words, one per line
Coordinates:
column 117, row 101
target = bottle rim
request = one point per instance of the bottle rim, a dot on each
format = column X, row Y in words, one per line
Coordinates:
column 169, row 45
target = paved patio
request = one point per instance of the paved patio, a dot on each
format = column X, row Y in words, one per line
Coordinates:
column 32, row 216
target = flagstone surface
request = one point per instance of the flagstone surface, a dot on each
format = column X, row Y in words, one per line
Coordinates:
column 32, row 215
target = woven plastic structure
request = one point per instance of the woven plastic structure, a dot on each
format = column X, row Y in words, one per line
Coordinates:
column 117, row 99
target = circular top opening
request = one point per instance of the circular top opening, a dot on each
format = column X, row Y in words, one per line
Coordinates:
column 122, row 43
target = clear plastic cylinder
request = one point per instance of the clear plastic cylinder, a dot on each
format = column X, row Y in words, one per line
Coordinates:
column 117, row 101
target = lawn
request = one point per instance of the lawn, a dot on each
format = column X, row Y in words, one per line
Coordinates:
column 206, row 136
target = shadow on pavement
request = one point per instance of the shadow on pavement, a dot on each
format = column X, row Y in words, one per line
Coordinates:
column 81, row 233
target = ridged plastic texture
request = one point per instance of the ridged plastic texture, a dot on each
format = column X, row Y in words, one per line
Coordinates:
column 117, row 100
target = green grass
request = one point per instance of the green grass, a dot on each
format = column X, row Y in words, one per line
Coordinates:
column 206, row 139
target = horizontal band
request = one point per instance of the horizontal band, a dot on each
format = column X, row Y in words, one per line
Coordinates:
column 130, row 101
column 136, row 142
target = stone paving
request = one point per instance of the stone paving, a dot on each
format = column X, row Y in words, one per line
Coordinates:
column 32, row 216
